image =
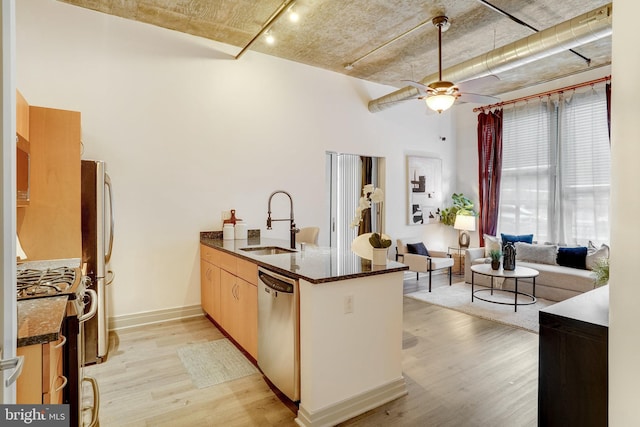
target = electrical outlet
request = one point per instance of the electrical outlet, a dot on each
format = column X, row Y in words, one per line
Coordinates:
column 348, row 304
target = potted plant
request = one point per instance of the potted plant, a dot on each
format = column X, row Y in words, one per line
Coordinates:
column 380, row 245
column 461, row 205
column 495, row 255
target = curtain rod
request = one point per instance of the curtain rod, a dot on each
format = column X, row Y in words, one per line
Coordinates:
column 543, row 94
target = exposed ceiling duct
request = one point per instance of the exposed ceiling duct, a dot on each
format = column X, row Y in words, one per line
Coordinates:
column 580, row 30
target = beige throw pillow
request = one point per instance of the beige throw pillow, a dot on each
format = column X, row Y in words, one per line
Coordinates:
column 594, row 254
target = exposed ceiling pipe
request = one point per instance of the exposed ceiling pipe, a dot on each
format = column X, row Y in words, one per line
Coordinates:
column 580, row 30
column 521, row 22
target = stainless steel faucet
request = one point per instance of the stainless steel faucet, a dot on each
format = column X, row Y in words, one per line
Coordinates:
column 293, row 229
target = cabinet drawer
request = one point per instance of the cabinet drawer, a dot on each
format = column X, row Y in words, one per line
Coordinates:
column 209, row 254
column 229, row 263
column 248, row 271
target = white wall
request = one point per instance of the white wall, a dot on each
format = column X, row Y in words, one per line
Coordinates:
column 188, row 132
column 624, row 292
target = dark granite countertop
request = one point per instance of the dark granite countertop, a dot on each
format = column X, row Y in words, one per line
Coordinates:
column 40, row 319
column 314, row 264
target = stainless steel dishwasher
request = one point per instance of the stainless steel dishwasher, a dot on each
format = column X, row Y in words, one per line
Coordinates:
column 279, row 331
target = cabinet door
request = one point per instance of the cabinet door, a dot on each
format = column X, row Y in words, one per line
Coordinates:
column 206, row 291
column 248, row 308
column 210, row 289
column 53, row 376
column 229, row 312
column 22, row 116
column 29, row 383
column 54, row 206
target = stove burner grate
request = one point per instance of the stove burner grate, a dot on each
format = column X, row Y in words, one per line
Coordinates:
column 49, row 282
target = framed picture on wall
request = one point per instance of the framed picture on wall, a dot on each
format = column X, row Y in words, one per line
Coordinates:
column 424, row 183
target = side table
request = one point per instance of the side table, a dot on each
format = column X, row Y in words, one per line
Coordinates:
column 460, row 252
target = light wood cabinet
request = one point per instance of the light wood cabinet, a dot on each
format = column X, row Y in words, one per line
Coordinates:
column 54, row 208
column 23, row 148
column 247, row 295
column 230, row 295
column 210, row 288
column 22, row 116
column 42, row 380
column 239, row 311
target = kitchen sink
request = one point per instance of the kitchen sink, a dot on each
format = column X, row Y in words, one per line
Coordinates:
column 267, row 250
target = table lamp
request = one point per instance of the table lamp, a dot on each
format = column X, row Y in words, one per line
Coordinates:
column 463, row 224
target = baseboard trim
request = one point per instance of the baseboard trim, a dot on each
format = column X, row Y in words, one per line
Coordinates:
column 149, row 317
column 349, row 408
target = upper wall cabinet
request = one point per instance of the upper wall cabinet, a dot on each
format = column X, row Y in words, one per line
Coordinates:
column 51, row 227
column 22, row 116
column 23, row 164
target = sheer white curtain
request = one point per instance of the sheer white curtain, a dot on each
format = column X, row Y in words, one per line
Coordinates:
column 556, row 169
column 526, row 170
column 585, row 160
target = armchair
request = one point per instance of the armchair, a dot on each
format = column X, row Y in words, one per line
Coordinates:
column 435, row 260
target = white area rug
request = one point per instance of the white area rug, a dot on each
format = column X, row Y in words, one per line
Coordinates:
column 458, row 297
column 214, row 362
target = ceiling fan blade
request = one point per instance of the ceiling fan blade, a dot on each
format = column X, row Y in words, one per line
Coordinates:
column 476, row 84
column 417, row 85
column 477, row 99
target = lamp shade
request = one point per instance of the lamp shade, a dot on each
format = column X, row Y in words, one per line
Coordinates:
column 465, row 222
column 440, row 102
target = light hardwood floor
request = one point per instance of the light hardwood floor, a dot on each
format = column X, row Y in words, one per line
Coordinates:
column 460, row 371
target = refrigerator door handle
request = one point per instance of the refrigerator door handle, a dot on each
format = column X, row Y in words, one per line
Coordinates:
column 110, row 276
column 93, row 308
column 107, row 183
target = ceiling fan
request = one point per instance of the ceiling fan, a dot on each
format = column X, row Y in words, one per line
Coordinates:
column 441, row 95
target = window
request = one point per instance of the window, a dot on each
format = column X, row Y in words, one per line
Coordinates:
column 556, row 167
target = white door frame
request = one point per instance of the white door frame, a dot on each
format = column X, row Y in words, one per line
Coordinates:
column 8, row 317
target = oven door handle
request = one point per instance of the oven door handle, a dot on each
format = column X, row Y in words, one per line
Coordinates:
column 92, row 308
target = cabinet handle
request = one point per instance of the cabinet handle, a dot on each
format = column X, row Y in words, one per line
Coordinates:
column 64, row 340
column 64, row 383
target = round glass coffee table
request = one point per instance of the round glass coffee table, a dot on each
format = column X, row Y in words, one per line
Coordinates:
column 518, row 273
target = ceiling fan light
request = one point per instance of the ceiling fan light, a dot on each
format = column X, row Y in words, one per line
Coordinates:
column 440, row 102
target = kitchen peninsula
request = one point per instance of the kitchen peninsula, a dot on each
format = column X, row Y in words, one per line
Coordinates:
column 349, row 312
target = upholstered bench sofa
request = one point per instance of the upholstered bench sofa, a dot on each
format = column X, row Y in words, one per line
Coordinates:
column 555, row 282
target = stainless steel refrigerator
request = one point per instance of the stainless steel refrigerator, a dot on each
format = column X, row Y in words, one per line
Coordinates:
column 97, row 243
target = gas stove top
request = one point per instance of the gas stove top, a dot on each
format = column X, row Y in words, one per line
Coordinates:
column 47, row 280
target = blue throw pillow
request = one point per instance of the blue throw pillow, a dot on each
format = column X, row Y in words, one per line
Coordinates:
column 512, row 238
column 417, row 248
column 572, row 257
